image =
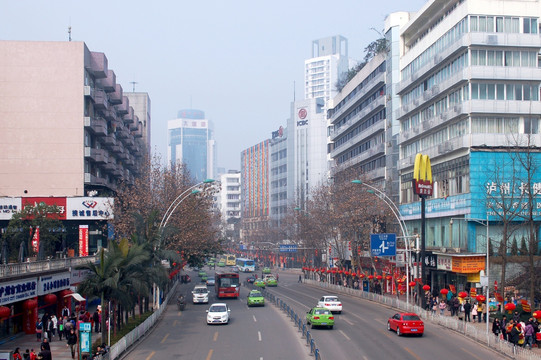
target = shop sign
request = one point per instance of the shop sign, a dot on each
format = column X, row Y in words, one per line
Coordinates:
column 430, row 260
column 53, row 283
column 474, row 277
column 8, row 207
column 89, row 208
column 77, row 276
column 60, row 202
column 14, row 291
column 444, row 263
column 468, row 265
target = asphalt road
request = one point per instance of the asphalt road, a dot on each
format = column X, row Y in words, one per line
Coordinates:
column 361, row 330
column 259, row 333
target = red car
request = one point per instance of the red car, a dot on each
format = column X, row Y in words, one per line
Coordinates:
column 406, row 323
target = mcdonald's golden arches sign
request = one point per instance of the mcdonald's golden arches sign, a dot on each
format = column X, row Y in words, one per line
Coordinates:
column 422, row 176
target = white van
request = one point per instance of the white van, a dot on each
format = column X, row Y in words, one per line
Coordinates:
column 200, row 294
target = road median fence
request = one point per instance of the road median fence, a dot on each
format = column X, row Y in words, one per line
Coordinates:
column 466, row 328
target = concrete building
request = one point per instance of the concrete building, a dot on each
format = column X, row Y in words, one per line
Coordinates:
column 67, row 128
column 328, row 62
column 278, row 177
column 140, row 102
column 191, row 142
column 255, row 192
column 229, row 203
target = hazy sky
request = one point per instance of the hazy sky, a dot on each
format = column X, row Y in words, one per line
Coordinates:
column 235, row 60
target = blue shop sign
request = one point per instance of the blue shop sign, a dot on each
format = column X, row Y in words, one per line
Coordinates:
column 18, row 290
column 53, row 283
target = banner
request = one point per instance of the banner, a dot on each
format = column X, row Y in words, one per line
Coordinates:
column 35, row 241
column 83, row 240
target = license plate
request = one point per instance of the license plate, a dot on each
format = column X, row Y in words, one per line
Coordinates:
column 413, row 329
column 323, row 323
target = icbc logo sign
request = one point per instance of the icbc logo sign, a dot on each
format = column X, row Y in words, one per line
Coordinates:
column 302, row 114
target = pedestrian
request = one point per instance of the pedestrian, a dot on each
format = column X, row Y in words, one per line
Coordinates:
column 96, row 319
column 60, row 328
column 72, row 342
column 514, row 335
column 33, row 355
column 442, row 306
column 456, row 306
column 434, row 305
column 503, row 327
column 45, row 343
column 529, row 335
column 45, row 354
column 474, row 311
column 496, row 327
column 467, row 310
column 39, row 329
column 55, row 325
column 50, row 327
column 480, row 308
column 300, row 278
column 65, row 311
column 17, row 354
column 516, row 317
column 26, row 355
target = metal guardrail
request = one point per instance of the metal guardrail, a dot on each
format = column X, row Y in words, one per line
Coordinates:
column 466, row 328
column 16, row 269
column 297, row 320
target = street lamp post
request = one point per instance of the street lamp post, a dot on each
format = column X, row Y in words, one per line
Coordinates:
column 396, row 212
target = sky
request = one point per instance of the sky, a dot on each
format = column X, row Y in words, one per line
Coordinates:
column 241, row 62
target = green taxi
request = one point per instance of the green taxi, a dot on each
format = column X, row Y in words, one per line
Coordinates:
column 221, row 264
column 202, row 273
column 319, row 316
column 271, row 281
column 259, row 283
column 266, row 270
column 255, row 298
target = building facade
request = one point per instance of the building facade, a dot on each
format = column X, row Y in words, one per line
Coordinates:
column 140, row 102
column 278, row 177
column 229, row 203
column 191, row 142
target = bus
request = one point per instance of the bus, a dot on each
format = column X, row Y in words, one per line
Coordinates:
column 246, row 265
column 227, row 285
column 230, row 260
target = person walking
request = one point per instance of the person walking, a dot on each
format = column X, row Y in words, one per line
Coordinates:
column 467, row 310
column 96, row 320
column 496, row 327
column 39, row 329
column 54, row 320
column 26, row 355
column 72, row 342
column 45, row 343
column 442, row 307
column 17, row 354
column 45, row 354
column 33, row 355
column 474, row 311
column 456, row 306
column 528, row 335
column 480, row 308
column 503, row 327
column 300, row 278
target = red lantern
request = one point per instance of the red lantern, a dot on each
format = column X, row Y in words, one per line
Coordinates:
column 463, row 294
column 537, row 314
column 389, row 277
column 328, row 271
column 362, row 276
column 510, row 307
column 49, row 299
column 5, row 312
column 370, row 277
column 346, row 273
column 334, row 270
column 412, row 283
column 379, row 277
column 480, row 298
column 444, row 291
column 30, row 304
column 426, row 287
column 340, row 271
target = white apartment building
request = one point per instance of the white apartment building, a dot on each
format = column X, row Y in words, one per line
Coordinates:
column 229, row 203
column 278, row 177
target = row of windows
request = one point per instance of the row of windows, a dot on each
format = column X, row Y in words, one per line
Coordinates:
column 502, row 24
column 278, row 170
column 380, row 69
column 363, row 147
column 457, row 129
column 454, row 66
column 372, row 165
column 520, row 92
column 503, row 58
column 377, row 117
column 489, row 23
column 282, row 154
column 233, row 197
column 367, row 102
column 279, row 196
column 278, row 183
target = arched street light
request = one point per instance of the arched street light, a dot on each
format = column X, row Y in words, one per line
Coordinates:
column 396, row 212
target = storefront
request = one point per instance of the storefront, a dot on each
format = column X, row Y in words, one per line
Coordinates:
column 458, row 272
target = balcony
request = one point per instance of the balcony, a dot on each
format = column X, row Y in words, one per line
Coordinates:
column 123, row 108
column 374, row 106
column 110, row 114
column 96, row 155
column 108, row 83
column 91, row 179
column 98, row 64
column 109, row 140
column 100, row 99
column 129, row 142
column 110, row 166
column 118, row 148
column 122, row 133
column 115, row 97
column 96, row 125
column 128, row 118
column 89, row 91
column 362, row 157
column 376, row 128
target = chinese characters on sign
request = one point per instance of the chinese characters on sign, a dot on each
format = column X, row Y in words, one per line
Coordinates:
column 470, row 264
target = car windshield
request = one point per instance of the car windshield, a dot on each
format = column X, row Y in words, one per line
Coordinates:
column 200, row 291
column 217, row 308
column 255, row 294
column 331, row 298
column 411, row 317
column 321, row 312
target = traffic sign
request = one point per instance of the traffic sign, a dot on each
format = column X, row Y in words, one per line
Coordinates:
column 288, row 248
column 383, row 244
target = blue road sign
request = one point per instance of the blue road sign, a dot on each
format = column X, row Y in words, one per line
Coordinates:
column 288, row 248
column 383, row 244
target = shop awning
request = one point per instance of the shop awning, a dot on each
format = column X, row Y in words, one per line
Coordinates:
column 76, row 296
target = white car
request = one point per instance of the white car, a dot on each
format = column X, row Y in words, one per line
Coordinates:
column 330, row 302
column 218, row 313
column 200, row 294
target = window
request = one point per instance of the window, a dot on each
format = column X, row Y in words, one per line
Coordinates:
column 518, row 92
column 490, row 92
column 474, row 91
column 510, row 92
column 500, row 92
column 529, row 26
column 473, row 24
column 499, row 24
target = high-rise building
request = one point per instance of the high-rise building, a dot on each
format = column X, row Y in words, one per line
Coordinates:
column 278, row 177
column 140, row 102
column 328, row 62
column 255, row 191
column 191, row 142
column 67, row 128
column 229, row 203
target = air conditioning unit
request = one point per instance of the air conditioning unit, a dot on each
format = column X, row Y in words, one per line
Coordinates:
column 443, row 250
column 457, row 250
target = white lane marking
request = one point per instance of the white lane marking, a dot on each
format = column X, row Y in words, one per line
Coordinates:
column 380, row 321
column 348, row 321
column 343, row 333
column 255, row 320
column 259, row 335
